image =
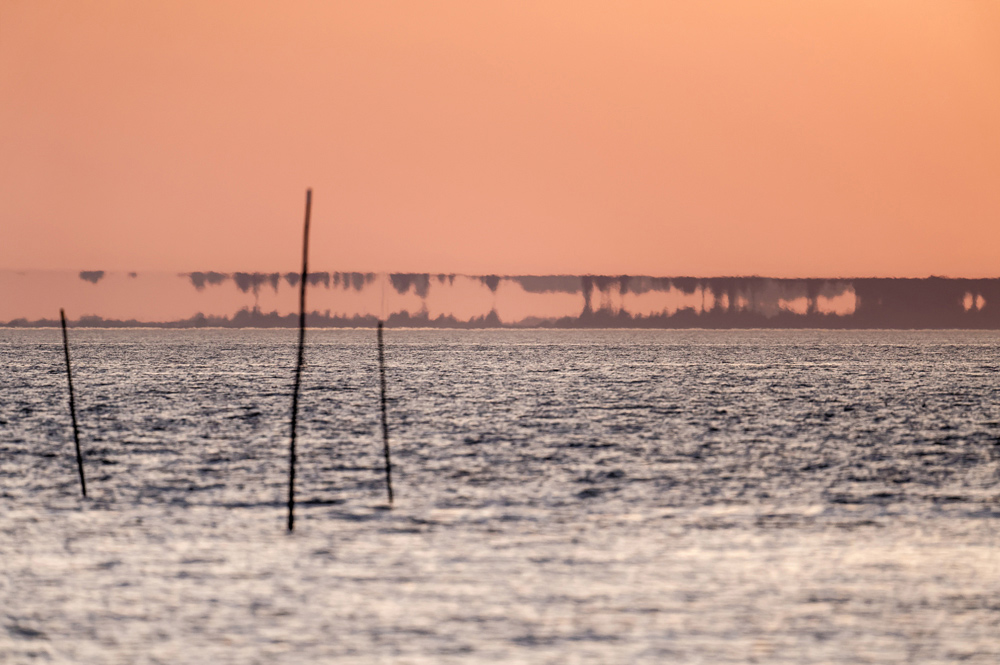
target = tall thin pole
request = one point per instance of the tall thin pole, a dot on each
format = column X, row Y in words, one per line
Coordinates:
column 298, row 363
column 385, row 421
column 72, row 406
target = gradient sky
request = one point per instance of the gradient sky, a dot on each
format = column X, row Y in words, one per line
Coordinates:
column 816, row 138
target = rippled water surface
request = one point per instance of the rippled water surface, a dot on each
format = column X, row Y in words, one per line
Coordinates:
column 562, row 497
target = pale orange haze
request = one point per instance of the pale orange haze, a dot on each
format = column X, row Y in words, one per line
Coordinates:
column 796, row 138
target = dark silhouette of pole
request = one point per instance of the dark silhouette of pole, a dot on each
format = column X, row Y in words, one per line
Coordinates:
column 72, row 406
column 385, row 422
column 298, row 363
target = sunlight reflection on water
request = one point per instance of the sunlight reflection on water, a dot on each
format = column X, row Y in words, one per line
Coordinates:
column 562, row 496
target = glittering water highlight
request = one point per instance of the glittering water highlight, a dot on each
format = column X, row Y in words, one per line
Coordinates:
column 561, row 496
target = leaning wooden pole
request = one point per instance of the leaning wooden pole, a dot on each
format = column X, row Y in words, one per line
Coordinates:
column 385, row 421
column 298, row 363
column 72, row 406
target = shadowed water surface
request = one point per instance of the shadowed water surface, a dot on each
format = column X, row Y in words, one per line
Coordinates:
column 562, row 496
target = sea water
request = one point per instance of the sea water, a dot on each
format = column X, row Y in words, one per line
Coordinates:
column 586, row 496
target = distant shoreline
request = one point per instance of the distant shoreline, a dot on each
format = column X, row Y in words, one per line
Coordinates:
column 406, row 300
column 313, row 324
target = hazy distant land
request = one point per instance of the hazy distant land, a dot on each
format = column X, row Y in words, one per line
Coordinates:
column 352, row 299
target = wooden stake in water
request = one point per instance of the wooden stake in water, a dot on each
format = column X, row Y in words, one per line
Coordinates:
column 298, row 364
column 72, row 406
column 385, row 422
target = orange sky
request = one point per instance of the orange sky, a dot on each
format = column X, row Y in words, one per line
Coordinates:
column 666, row 138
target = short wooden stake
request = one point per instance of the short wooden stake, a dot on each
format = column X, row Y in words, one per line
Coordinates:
column 72, row 406
column 385, row 421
